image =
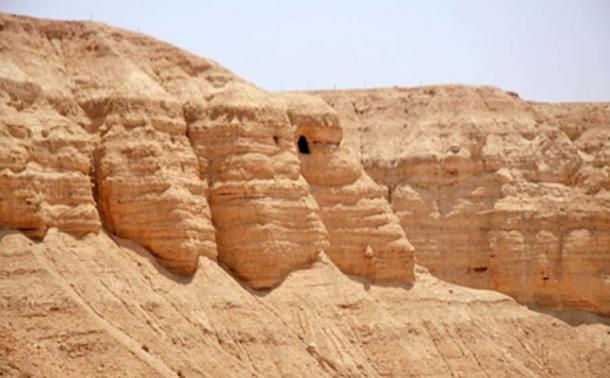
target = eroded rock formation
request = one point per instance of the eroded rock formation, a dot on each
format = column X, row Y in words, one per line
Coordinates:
column 45, row 151
column 188, row 160
column 111, row 141
column 266, row 219
column 365, row 236
column 180, row 155
column 114, row 126
column 493, row 192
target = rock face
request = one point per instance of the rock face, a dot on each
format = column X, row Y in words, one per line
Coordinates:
column 44, row 149
column 365, row 236
column 124, row 157
column 149, row 189
column 173, row 151
column 100, row 126
column 104, row 120
column 493, row 192
column 266, row 219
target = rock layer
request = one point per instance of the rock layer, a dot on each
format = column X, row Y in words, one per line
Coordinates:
column 365, row 236
column 266, row 219
column 45, row 154
column 149, row 188
column 493, row 192
column 123, row 122
column 98, row 121
column 151, row 133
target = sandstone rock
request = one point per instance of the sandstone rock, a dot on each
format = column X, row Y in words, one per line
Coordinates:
column 165, row 131
column 489, row 187
column 266, row 219
column 150, row 191
column 176, row 153
column 44, row 152
column 352, row 206
column 147, row 175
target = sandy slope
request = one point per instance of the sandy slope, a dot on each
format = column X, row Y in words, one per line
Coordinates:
column 103, row 306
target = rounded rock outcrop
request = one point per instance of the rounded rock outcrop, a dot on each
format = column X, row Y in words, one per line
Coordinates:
column 353, row 207
column 266, row 220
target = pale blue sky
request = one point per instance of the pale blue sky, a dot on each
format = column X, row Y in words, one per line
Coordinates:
column 544, row 50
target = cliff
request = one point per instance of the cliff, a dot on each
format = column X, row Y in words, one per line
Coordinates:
column 160, row 216
column 106, row 127
column 365, row 235
column 493, row 191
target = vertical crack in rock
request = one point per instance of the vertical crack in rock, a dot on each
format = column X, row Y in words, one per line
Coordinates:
column 149, row 184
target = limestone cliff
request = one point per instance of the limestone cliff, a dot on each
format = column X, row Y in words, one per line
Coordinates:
column 124, row 160
column 266, row 219
column 181, row 155
column 365, row 236
column 493, row 191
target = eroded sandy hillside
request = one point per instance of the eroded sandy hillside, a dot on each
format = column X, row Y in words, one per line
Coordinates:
column 102, row 306
column 162, row 217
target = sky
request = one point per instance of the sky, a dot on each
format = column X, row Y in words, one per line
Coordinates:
column 542, row 49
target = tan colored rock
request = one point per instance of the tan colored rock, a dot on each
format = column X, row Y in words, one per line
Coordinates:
column 44, row 178
column 150, row 192
column 167, row 131
column 45, row 154
column 143, row 111
column 88, row 114
column 266, row 219
column 353, row 207
column 489, row 187
column 153, row 134
column 149, row 189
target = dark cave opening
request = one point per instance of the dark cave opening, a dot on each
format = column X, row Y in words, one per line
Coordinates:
column 303, row 145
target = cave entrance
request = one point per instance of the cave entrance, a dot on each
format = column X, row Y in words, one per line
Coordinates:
column 303, row 145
